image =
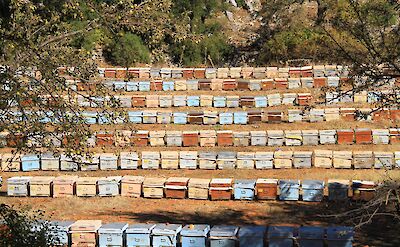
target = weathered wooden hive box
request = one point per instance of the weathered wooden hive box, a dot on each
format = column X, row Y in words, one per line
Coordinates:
column 199, row 73
column 226, row 118
column 363, row 159
column 173, row 138
column 90, row 163
column 383, row 160
column 243, row 84
column 179, row 117
column 254, row 116
column 10, row 162
column 84, row 232
column 307, row 82
column 327, row 136
column 169, row 159
column 140, row 138
column 210, row 117
column 195, row 235
column 245, row 160
column 294, row 83
column 224, row 138
column 338, row 190
column 311, row 236
column 132, row 86
column 207, row 160
column 195, row 117
column 188, row 159
column 138, row 101
column 223, row 235
column 232, row 101
column 190, row 138
column 274, row 99
column 266, row 189
column 235, row 72
column 247, row 72
column 41, row 186
column 310, row 137
column 394, row 134
column 86, row 186
column 293, row 138
column 289, row 190
column 345, row 136
column 259, row 72
column 193, row 100
column 131, row 186
column 363, row 190
column 211, row 73
column 157, row 138
column 30, row 162
column 275, row 137
column 108, row 161
column 302, row 159
column 283, row 159
column 281, row 83
column 252, row 236
column 241, row 138
column 139, row 234
column 380, row 136
column 50, row 162
column 313, row 190
column 363, row 136
column 153, row 187
column 267, row 84
column 247, row 101
column 150, row 160
column 304, row 99
column 274, row 116
column 64, row 186
column 208, row 138
column 258, row 138
column 135, row 117
column 59, row 230
column 18, row 186
column 168, row 85
column 317, row 115
column 219, row 101
column 206, row 100
column 222, row 73
column 264, row 160
column 149, row 117
column 221, row 188
column 332, row 114
column 123, row 138
column 244, row 189
column 198, row 188
column 340, row 236
column 348, row 114
column 280, row 236
column 176, row 187
column 226, row 160
column 152, row 101
column 128, row 160
column 156, row 85
column 229, row 84
column 260, row 101
column 323, row 158
column 342, row 159
column 164, row 117
column 166, row 235
column 109, row 186
column 165, row 101
column 295, row 116
column 112, row 234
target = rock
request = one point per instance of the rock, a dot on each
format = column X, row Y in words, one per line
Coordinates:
column 229, row 15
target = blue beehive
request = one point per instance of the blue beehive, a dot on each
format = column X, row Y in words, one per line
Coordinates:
column 180, row 117
column 58, row 230
column 223, row 236
column 166, row 235
column 280, row 236
column 260, row 101
column 313, row 190
column 240, row 117
column 252, row 236
column 132, row 86
column 30, row 162
column 289, row 190
column 144, row 86
column 226, row 118
column 373, row 97
column 193, row 100
column 168, row 86
column 219, row 101
column 311, row 236
column 119, row 85
column 112, row 234
column 135, row 117
column 195, row 235
column 244, row 189
column 139, row 235
column 90, row 117
column 340, row 236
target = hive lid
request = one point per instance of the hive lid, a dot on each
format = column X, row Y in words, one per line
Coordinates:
column 169, row 154
column 19, row 180
column 302, row 154
column 113, row 179
column 313, row 184
column 323, row 153
column 195, row 230
column 311, row 232
column 177, row 180
column 383, row 154
column 49, row 156
column 258, row 133
column 245, row 183
column 223, row 231
column 188, row 154
column 199, row 182
column 226, row 155
column 108, row 156
column 221, row 181
column 129, row 155
column 85, row 226
column 252, row 231
column 87, row 180
column 113, row 228
column 289, row 182
column 264, row 155
column 267, row 181
column 245, row 155
column 41, row 180
column 154, row 182
column 65, row 179
column 338, row 183
column 140, row 228
column 29, row 157
column 56, row 224
column 132, row 179
column 167, row 229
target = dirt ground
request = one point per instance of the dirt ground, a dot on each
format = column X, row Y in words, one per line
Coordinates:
column 135, row 210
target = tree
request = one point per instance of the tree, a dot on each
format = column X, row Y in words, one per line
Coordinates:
column 128, row 50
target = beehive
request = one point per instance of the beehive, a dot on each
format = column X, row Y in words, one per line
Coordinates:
column 176, row 187
column 283, row 159
column 226, row 160
column 84, row 232
column 224, row 138
column 266, row 189
column 157, row 138
column 150, row 160
column 245, row 160
column 109, row 186
column 173, row 138
column 10, row 162
column 342, row 159
column 18, row 186
column 310, row 137
column 383, row 160
column 108, row 161
column 169, row 159
column 153, row 187
column 131, row 186
column 323, row 158
column 64, row 186
column 128, row 160
column 207, row 138
column 198, row 188
column 302, row 159
column 221, row 189
column 293, row 138
column 41, row 186
column 258, row 138
column 207, row 160
column 241, row 139
column 179, row 100
column 275, row 137
column 380, row 136
column 165, row 101
column 86, row 186
column 264, row 160
column 363, row 159
column 188, row 159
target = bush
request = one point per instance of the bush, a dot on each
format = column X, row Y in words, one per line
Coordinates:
column 127, row 50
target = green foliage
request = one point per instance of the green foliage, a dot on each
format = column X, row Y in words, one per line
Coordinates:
column 129, row 49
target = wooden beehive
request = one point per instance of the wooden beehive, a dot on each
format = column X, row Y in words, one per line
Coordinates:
column 245, row 160
column 157, row 138
column 207, row 138
column 150, row 160
column 176, row 187
column 140, row 138
column 190, row 138
column 41, row 186
column 10, row 162
column 345, row 136
column 153, row 187
column 86, row 186
column 138, row 101
column 221, row 189
column 64, row 186
column 84, row 233
column 266, row 189
column 283, row 159
column 198, row 188
column 323, row 158
column 293, row 138
column 207, row 160
column 363, row 136
column 131, row 186
column 229, row 84
column 152, row 101
column 342, row 159
column 188, row 159
column 224, row 138
column 169, row 159
column 264, row 160
column 241, row 138
column 363, row 159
